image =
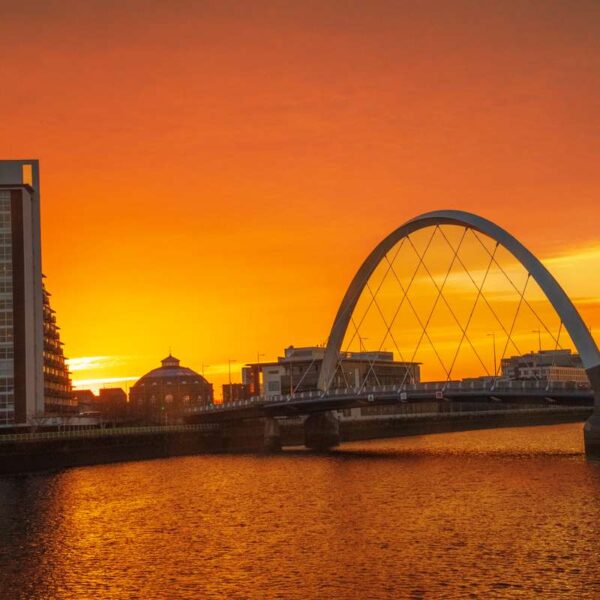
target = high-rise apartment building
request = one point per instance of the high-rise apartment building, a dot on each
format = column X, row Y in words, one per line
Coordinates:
column 22, row 323
column 58, row 393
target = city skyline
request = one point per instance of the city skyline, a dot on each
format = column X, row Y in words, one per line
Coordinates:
column 562, row 266
column 254, row 160
column 299, row 299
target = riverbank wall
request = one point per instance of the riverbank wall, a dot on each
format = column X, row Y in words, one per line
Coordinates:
column 22, row 453
column 50, row 451
column 382, row 427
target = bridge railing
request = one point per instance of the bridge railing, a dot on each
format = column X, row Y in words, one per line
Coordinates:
column 473, row 387
column 105, row 432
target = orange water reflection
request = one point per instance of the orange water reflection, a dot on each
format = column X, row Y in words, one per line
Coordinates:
column 505, row 513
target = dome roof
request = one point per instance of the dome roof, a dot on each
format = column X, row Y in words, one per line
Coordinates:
column 171, row 369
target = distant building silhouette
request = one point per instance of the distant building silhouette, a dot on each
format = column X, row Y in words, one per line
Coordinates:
column 86, row 400
column 546, row 365
column 111, row 404
column 299, row 369
column 232, row 392
column 112, row 396
column 166, row 393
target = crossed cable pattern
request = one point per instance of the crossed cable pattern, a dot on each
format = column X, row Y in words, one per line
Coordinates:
column 404, row 297
column 527, row 303
column 424, row 324
column 357, row 327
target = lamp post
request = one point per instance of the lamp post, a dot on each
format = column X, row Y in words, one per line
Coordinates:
column 539, row 332
column 493, row 336
column 229, row 361
column 256, row 374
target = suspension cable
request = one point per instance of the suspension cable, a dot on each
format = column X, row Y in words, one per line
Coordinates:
column 516, row 289
column 441, row 295
column 371, row 302
column 498, row 319
column 512, row 327
column 340, row 359
column 464, row 333
column 423, row 327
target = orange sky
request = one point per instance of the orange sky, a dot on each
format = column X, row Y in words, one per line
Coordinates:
column 214, row 172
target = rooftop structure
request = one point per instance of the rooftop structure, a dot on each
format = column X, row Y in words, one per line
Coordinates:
column 232, row 392
column 165, row 393
column 546, row 365
column 298, row 371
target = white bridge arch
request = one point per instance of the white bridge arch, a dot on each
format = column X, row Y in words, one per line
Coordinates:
column 563, row 306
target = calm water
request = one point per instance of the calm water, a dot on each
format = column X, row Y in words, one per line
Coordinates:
column 488, row 514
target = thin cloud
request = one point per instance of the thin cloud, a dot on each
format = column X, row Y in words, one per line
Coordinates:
column 89, row 363
column 580, row 253
column 99, row 383
column 223, row 368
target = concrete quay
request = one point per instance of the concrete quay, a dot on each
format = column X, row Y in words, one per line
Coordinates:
column 21, row 453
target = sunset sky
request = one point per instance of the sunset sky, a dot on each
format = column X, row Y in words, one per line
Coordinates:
column 214, row 172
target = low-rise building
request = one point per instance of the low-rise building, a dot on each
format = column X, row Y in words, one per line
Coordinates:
column 166, row 393
column 233, row 392
column 298, row 370
column 113, row 402
column 85, row 400
column 546, row 365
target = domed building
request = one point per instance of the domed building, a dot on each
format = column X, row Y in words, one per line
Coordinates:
column 166, row 393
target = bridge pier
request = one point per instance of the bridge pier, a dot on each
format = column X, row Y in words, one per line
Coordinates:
column 591, row 431
column 272, row 439
column 321, row 431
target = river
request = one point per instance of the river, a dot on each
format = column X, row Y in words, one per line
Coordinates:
column 510, row 513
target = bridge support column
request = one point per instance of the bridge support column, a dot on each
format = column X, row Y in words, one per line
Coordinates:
column 321, row 431
column 272, row 440
column 591, row 431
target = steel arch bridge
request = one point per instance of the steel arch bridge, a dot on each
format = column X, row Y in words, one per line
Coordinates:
column 563, row 306
column 570, row 317
column 327, row 397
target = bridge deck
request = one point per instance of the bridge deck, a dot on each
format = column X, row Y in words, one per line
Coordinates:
column 312, row 402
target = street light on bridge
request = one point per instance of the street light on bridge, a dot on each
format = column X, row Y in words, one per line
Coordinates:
column 229, row 361
column 493, row 336
column 539, row 332
column 361, row 343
